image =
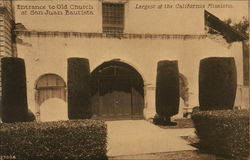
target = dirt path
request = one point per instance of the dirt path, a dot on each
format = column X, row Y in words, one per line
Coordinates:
column 129, row 137
column 176, row 155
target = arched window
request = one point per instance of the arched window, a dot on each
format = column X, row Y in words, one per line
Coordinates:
column 50, row 86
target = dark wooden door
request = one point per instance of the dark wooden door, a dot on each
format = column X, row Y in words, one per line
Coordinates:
column 117, row 92
column 115, row 98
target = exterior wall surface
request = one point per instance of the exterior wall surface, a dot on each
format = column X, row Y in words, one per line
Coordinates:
column 163, row 20
column 7, row 23
column 49, row 54
column 149, row 16
column 153, row 31
column 246, row 76
column 6, row 27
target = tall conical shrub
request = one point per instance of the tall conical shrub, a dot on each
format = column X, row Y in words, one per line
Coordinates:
column 14, row 107
column 217, row 83
column 78, row 88
column 167, row 89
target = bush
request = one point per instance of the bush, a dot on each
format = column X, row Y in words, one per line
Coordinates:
column 76, row 139
column 167, row 89
column 223, row 132
column 195, row 109
column 158, row 120
column 14, row 107
column 79, row 88
column 217, row 83
column 30, row 116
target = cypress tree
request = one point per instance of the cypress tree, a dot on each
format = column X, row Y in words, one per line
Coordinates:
column 167, row 89
column 14, row 107
column 217, row 83
column 79, row 88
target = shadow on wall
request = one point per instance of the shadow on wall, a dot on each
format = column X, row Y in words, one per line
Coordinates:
column 53, row 109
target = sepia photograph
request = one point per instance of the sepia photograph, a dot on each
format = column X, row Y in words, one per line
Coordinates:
column 124, row 80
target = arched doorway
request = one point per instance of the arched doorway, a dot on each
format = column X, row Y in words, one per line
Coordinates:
column 117, row 91
column 49, row 86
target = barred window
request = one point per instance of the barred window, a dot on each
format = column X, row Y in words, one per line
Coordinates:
column 113, row 17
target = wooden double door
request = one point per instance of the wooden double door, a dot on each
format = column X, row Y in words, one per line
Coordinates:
column 117, row 94
column 115, row 98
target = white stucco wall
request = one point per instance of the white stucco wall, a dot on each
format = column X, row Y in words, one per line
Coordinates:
column 163, row 17
column 155, row 21
column 49, row 55
column 38, row 19
column 149, row 16
column 241, row 99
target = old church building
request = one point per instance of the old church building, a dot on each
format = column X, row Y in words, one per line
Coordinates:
column 123, row 41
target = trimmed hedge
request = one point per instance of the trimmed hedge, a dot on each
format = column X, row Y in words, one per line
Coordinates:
column 217, row 83
column 14, row 107
column 167, row 88
column 73, row 140
column 30, row 116
column 223, row 132
column 79, row 89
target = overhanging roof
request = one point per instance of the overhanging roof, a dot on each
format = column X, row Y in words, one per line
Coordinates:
column 229, row 33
